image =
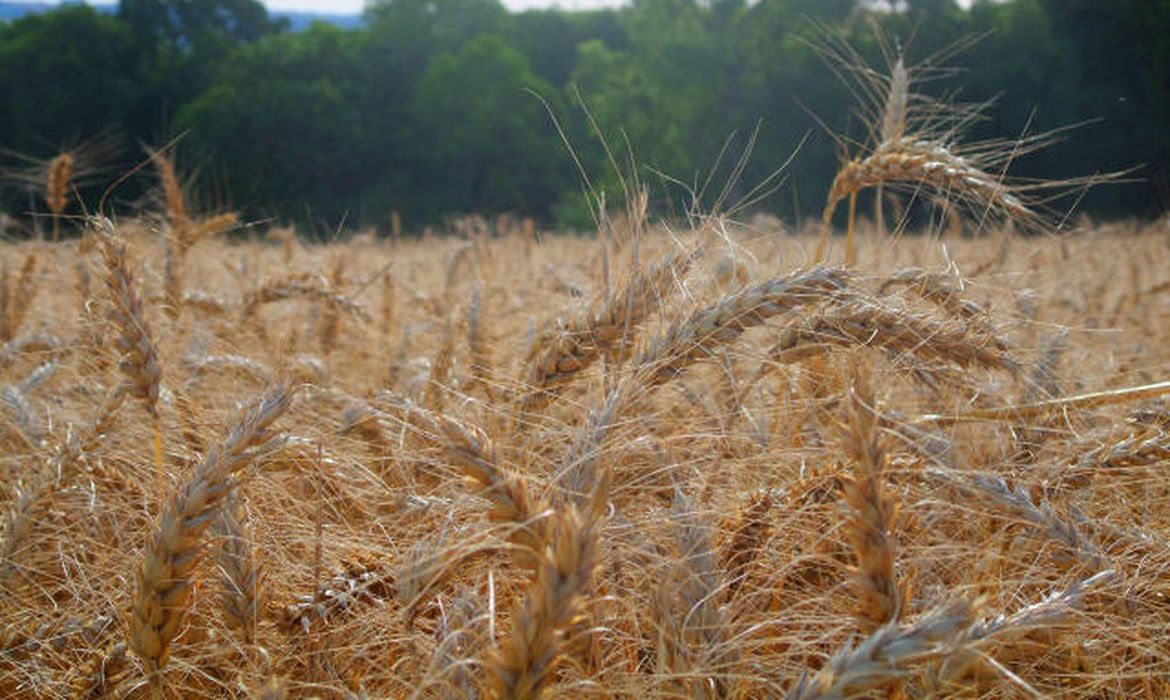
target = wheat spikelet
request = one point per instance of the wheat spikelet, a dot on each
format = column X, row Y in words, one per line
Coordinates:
column 75, row 446
column 23, row 415
column 913, row 145
column 523, row 666
column 693, row 623
column 274, row 689
column 243, row 366
column 207, row 228
column 1003, row 629
column 176, row 203
column 873, row 517
column 26, row 344
column 470, row 450
column 749, row 534
column 164, row 582
column 240, row 577
column 861, row 322
column 16, row 296
column 57, row 182
column 557, row 359
column 480, row 355
column 996, row 490
column 18, row 523
column 897, row 103
column 302, row 286
column 886, row 655
column 436, row 386
column 459, row 632
column 934, row 164
column 172, row 284
column 945, row 290
column 329, row 323
column 207, row 303
column 101, row 675
column 60, row 171
column 141, row 364
column 704, row 331
column 388, row 298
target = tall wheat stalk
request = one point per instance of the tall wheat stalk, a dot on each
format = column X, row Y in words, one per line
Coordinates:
column 164, row 578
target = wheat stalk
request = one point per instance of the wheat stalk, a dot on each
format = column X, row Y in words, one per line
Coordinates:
column 873, row 517
column 164, row 577
column 562, row 356
column 523, row 666
column 886, row 655
column 472, row 452
column 59, row 173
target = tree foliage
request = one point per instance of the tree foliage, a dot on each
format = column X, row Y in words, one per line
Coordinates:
column 439, row 106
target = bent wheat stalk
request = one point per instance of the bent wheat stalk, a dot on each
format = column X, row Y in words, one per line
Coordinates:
column 1029, row 410
column 164, row 583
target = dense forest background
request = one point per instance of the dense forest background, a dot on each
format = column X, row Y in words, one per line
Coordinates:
column 434, row 107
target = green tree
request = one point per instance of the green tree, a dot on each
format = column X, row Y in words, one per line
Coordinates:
column 66, row 75
column 485, row 141
column 284, row 121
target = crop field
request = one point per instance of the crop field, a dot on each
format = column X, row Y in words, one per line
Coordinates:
column 659, row 463
column 703, row 459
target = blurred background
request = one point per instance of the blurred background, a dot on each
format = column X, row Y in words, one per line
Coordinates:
column 318, row 112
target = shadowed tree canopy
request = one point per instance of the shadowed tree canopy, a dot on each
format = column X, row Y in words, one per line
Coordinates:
column 183, row 25
column 428, row 107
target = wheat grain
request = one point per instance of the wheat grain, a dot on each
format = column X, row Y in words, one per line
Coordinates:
column 164, row 583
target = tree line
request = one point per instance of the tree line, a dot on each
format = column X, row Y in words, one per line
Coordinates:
column 436, row 107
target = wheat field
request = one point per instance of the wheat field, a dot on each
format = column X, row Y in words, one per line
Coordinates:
column 665, row 463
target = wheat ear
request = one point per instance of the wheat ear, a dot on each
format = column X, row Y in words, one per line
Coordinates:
column 886, row 655
column 559, row 358
column 523, row 667
column 472, row 451
column 164, row 579
column 141, row 364
column 240, row 576
column 59, row 174
column 176, row 203
column 705, row 330
column 16, row 297
column 873, row 516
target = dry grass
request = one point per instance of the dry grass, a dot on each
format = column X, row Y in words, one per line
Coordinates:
column 803, row 482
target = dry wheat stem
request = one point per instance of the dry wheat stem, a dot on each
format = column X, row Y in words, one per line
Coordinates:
column 1024, row 411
